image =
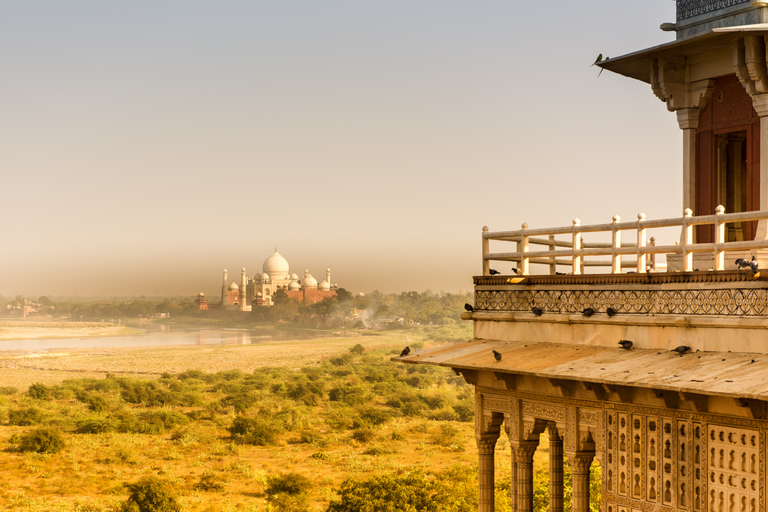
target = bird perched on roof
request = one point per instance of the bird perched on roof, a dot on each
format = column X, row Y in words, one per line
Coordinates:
column 682, row 349
column 588, row 312
column 610, row 311
column 515, row 270
column 625, row 344
column 469, row 307
column 537, row 311
column 598, row 59
column 405, row 352
column 497, row 355
column 493, row 272
column 742, row 263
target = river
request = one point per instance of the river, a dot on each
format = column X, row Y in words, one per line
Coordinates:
column 159, row 338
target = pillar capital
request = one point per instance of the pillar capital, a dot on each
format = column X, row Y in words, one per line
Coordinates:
column 671, row 83
column 486, row 443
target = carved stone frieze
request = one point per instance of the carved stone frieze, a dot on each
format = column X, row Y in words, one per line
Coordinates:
column 492, row 403
column 543, row 411
column 726, row 302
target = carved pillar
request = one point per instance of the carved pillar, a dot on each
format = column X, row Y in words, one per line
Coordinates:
column 749, row 63
column 555, row 470
column 671, row 83
column 580, row 464
column 486, row 445
column 524, row 455
column 688, row 120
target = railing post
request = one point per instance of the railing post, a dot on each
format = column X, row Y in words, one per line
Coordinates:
column 652, row 256
column 616, row 244
column 576, row 246
column 686, row 240
column 719, row 238
column 640, row 243
column 486, row 250
column 553, row 265
column 523, row 248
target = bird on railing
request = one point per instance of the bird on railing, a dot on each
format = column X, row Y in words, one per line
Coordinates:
column 537, row 311
column 625, row 344
column 682, row 349
column 610, row 311
column 515, row 270
column 469, row 307
column 405, row 352
column 497, row 355
column 493, row 272
column 742, row 263
column 588, row 312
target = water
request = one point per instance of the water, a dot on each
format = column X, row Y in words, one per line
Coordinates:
column 154, row 338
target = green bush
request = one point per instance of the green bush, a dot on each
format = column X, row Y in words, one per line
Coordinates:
column 363, row 435
column 255, row 431
column 288, row 492
column 150, row 494
column 8, row 390
column 96, row 425
column 26, row 417
column 40, row 391
column 357, row 350
column 210, row 482
column 42, row 440
column 413, row 492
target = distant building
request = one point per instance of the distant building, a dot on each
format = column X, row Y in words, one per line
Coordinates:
column 259, row 289
column 201, row 301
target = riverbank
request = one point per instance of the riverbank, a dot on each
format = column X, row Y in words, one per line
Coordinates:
column 20, row 330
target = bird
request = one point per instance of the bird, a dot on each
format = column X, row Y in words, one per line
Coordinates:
column 493, row 272
column 682, row 349
column 742, row 263
column 469, row 307
column 610, row 311
column 537, row 311
column 625, row 344
column 497, row 355
column 515, row 270
column 598, row 59
column 405, row 352
column 588, row 312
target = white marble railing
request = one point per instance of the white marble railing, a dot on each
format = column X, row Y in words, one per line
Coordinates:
column 540, row 246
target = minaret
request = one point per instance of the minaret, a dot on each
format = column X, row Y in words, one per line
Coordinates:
column 243, row 284
column 328, row 276
column 224, row 290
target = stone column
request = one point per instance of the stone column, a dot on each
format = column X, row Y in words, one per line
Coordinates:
column 486, row 445
column 760, row 102
column 555, row 471
column 688, row 120
column 513, row 480
column 580, row 464
column 524, row 456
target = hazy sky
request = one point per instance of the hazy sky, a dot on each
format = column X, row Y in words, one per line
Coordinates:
column 146, row 146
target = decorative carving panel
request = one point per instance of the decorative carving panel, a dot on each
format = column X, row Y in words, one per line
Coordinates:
column 733, row 468
column 690, row 8
column 731, row 301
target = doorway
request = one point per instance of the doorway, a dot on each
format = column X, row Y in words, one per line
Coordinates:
column 732, row 180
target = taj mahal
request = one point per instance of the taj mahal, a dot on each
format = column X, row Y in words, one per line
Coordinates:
column 259, row 289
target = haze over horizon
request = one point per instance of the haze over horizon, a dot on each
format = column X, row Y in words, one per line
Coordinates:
column 146, row 147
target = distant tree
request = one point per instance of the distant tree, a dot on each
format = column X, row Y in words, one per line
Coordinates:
column 150, row 494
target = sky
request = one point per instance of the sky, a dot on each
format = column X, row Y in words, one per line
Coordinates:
column 147, row 146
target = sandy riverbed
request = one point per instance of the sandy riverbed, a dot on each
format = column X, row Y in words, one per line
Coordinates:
column 38, row 330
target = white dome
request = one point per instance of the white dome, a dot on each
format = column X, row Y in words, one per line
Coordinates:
column 276, row 266
column 294, row 286
column 294, row 277
column 310, row 282
column 234, row 286
column 324, row 286
column 258, row 294
column 265, row 277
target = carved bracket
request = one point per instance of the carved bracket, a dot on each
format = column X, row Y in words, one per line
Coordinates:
column 671, row 84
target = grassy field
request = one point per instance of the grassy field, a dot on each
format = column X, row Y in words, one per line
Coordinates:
column 327, row 408
column 320, row 440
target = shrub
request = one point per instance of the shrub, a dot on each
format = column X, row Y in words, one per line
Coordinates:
column 150, row 494
column 350, row 395
column 357, row 350
column 210, row 482
column 363, row 435
column 256, row 431
column 26, row 417
column 288, row 492
column 96, row 425
column 42, row 440
column 8, row 390
column 40, row 391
